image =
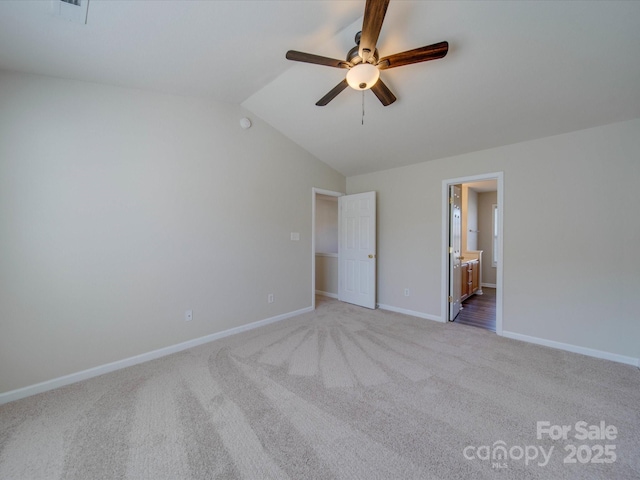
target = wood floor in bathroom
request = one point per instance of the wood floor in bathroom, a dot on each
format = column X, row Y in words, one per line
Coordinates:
column 479, row 310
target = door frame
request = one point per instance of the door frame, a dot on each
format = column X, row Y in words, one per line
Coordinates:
column 314, row 193
column 454, row 289
column 444, row 282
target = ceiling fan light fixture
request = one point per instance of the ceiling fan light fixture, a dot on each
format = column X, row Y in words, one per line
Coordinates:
column 363, row 76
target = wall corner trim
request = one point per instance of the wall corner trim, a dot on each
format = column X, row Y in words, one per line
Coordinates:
column 413, row 313
column 591, row 352
column 52, row 384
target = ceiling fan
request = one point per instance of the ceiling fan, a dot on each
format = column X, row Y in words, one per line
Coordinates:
column 363, row 61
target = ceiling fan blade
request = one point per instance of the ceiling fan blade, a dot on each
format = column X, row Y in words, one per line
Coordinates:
column 333, row 93
column 374, row 12
column 316, row 59
column 383, row 93
column 422, row 54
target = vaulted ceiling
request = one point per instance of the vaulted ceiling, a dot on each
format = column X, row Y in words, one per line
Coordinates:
column 515, row 70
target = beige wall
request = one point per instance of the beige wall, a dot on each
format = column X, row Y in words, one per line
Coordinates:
column 570, row 254
column 469, row 220
column 326, row 224
column 486, row 200
column 120, row 209
column 327, row 274
column 327, row 244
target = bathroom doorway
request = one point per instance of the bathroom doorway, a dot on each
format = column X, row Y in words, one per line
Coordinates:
column 477, row 263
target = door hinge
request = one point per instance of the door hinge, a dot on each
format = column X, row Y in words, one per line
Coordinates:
column 450, row 249
column 450, row 299
column 450, row 200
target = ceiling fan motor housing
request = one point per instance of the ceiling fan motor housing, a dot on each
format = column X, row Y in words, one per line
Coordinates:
column 353, row 56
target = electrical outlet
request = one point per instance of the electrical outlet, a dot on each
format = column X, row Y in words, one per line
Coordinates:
column 188, row 315
column 406, row 292
column 270, row 298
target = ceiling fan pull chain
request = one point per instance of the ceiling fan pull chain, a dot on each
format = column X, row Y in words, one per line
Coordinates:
column 362, row 107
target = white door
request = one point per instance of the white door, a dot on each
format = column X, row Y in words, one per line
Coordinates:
column 455, row 228
column 357, row 249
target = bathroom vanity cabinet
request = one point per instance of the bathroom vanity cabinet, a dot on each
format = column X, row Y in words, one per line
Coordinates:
column 470, row 277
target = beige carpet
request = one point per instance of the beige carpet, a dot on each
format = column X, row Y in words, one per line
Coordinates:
column 342, row 392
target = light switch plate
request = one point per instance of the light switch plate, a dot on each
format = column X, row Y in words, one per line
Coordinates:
column 295, row 236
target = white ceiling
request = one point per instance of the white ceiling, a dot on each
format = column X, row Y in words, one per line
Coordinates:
column 483, row 186
column 515, row 70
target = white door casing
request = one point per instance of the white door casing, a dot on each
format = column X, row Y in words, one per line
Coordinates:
column 455, row 209
column 445, row 275
column 357, row 249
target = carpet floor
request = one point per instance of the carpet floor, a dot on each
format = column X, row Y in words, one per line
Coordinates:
column 339, row 393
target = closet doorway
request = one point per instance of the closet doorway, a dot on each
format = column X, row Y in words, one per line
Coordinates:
column 344, row 247
column 324, row 250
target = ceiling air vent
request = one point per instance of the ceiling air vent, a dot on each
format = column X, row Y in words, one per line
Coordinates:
column 72, row 10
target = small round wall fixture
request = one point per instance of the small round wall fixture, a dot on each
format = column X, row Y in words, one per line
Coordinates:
column 245, row 123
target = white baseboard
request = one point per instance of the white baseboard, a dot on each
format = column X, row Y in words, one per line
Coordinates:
column 489, row 285
column 574, row 348
column 144, row 357
column 326, row 294
column 413, row 313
